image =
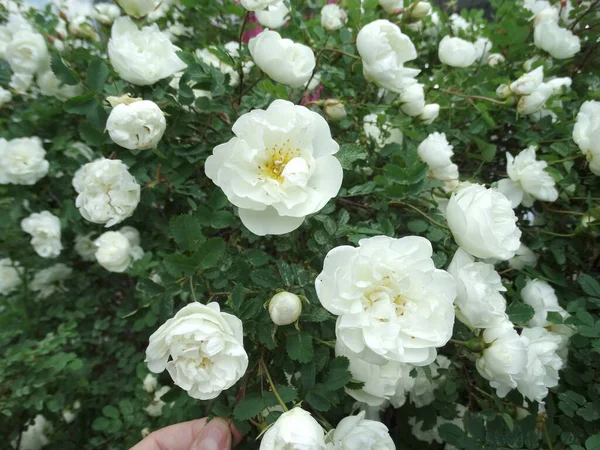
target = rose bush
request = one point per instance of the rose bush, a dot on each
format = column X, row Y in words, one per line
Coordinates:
column 202, row 216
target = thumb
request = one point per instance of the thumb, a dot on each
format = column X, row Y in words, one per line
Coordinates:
column 215, row 435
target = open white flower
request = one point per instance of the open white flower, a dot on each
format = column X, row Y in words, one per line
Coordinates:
column 392, row 303
column 391, row 6
column 258, row 5
column 284, row 60
column 559, row 84
column 274, row 16
column 527, row 83
column 48, row 280
column 10, row 276
column 116, row 250
column 333, row 17
column 35, row 436
column 560, row 42
column 22, row 161
column 138, row 8
column 139, row 125
column 532, row 103
column 506, row 357
column 143, row 56
column 384, row 49
column 295, row 429
column 413, row 100
column 482, row 47
column 541, row 297
column 436, row 152
column 479, row 301
column 586, row 133
column 430, row 113
column 543, row 363
column 279, row 168
column 202, row 348
column 44, row 229
column 106, row 13
column 358, row 433
column 108, row 193
column 483, row 223
column 27, row 52
column 528, row 181
column 457, row 52
column 523, row 257
column 423, row 390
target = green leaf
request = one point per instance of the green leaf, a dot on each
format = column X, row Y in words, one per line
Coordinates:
column 286, row 272
column 488, row 151
column 210, row 252
column 221, row 219
column 178, row 265
column 220, row 410
column 593, row 442
column 265, row 277
column 81, row 104
column 350, row 153
column 450, row 433
column 250, row 406
column 186, row 232
column 64, row 73
column 96, row 75
column 319, row 398
column 299, row 346
column 237, row 296
column 338, row 375
column 519, row 313
column 589, row 285
column 256, row 257
column 417, row 226
column 100, row 424
column 110, row 411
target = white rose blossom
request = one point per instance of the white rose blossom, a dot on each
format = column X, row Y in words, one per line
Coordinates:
column 35, row 436
column 558, row 85
column 5, row 96
column 419, row 10
column 423, row 390
column 84, row 246
column 543, row 364
column 586, row 133
column 495, row 59
column 532, row 103
column 523, row 257
column 429, row 113
column 479, row 302
column 279, row 167
column 27, row 52
column 258, row 5
column 295, row 429
column 384, row 49
column 459, row 24
column 560, row 42
column 137, row 126
column 456, row 52
column 202, row 349
column 541, row 297
column 154, row 409
column 150, row 383
column 22, row 161
column 283, row 60
column 48, row 280
column 333, row 17
column 528, row 181
column 20, row 82
column 10, row 276
column 209, row 58
column 391, row 6
column 108, row 193
column 142, row 57
column 44, row 229
column 274, row 16
column 502, row 362
column 285, row 308
column 527, row 83
column 358, row 433
column 436, row 152
column 483, row 223
column 550, row 13
column 383, row 317
column 138, row 8
column 116, row 250
column 382, row 135
column 482, row 48
column 106, row 13
column 413, row 100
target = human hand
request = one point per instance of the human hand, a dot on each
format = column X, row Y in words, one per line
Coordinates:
column 218, row 434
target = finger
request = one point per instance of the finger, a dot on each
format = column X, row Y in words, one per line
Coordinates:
column 175, row 437
column 216, row 435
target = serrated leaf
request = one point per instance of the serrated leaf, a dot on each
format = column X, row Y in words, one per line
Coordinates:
column 221, row 219
column 287, row 394
column 111, row 412
column 64, row 73
column 349, row 153
column 318, row 398
column 286, row 272
column 450, row 433
column 186, row 232
column 221, row 410
column 519, row 313
column 589, row 285
column 338, row 375
column 265, row 277
column 299, row 346
column 210, row 252
column 256, row 257
column 593, row 442
column 96, row 75
column 237, row 296
column 178, row 265
column 81, row 104
column 250, row 406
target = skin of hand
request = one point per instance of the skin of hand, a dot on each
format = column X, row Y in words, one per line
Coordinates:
column 217, row 434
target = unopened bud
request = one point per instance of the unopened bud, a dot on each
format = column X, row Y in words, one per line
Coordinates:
column 334, row 109
column 285, row 308
column 419, row 10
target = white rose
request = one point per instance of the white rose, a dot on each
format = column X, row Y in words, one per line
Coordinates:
column 358, row 433
column 413, row 100
column 586, row 134
column 36, row 434
column 294, row 430
column 202, row 348
column 528, row 82
column 495, row 59
column 381, row 317
column 84, row 246
column 429, row 113
column 334, row 109
column 22, row 161
column 258, row 5
column 27, row 52
column 284, row 60
column 560, row 42
column 279, row 167
column 48, row 280
column 116, row 250
column 382, row 384
column 20, row 82
column 108, row 193
column 504, row 359
column 139, row 125
column 559, row 84
column 425, row 384
column 503, row 91
column 458, row 24
column 51, row 86
column 436, row 153
column 386, row 134
column 528, row 180
column 384, row 49
column 70, row 414
column 138, row 8
column 333, row 17
column 274, row 16
column 44, row 228
column 550, row 13
column 150, row 383
column 143, row 56
column 479, row 302
column 543, row 364
column 5, row 97
column 106, row 13
column 209, row 58
column 391, row 6
column 532, row 103
column 456, row 52
column 482, row 48
column 10, row 276
column 541, row 297
column 79, row 27
column 483, row 223
column 419, row 10
column 154, row 409
column 523, row 257
column 285, row 308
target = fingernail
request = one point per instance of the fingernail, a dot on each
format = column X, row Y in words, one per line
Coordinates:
column 216, row 435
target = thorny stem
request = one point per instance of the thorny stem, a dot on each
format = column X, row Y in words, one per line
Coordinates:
column 479, row 97
column 399, row 203
column 572, row 158
column 268, row 375
column 547, row 436
column 192, row 288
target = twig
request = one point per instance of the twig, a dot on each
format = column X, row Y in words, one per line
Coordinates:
column 399, row 203
column 479, row 97
column 589, row 10
column 547, row 436
column 341, row 52
column 241, row 64
column 281, row 402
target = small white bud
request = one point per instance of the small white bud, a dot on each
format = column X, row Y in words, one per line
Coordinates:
column 334, row 109
column 285, row 308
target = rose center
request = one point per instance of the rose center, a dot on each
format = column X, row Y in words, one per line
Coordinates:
column 277, row 157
